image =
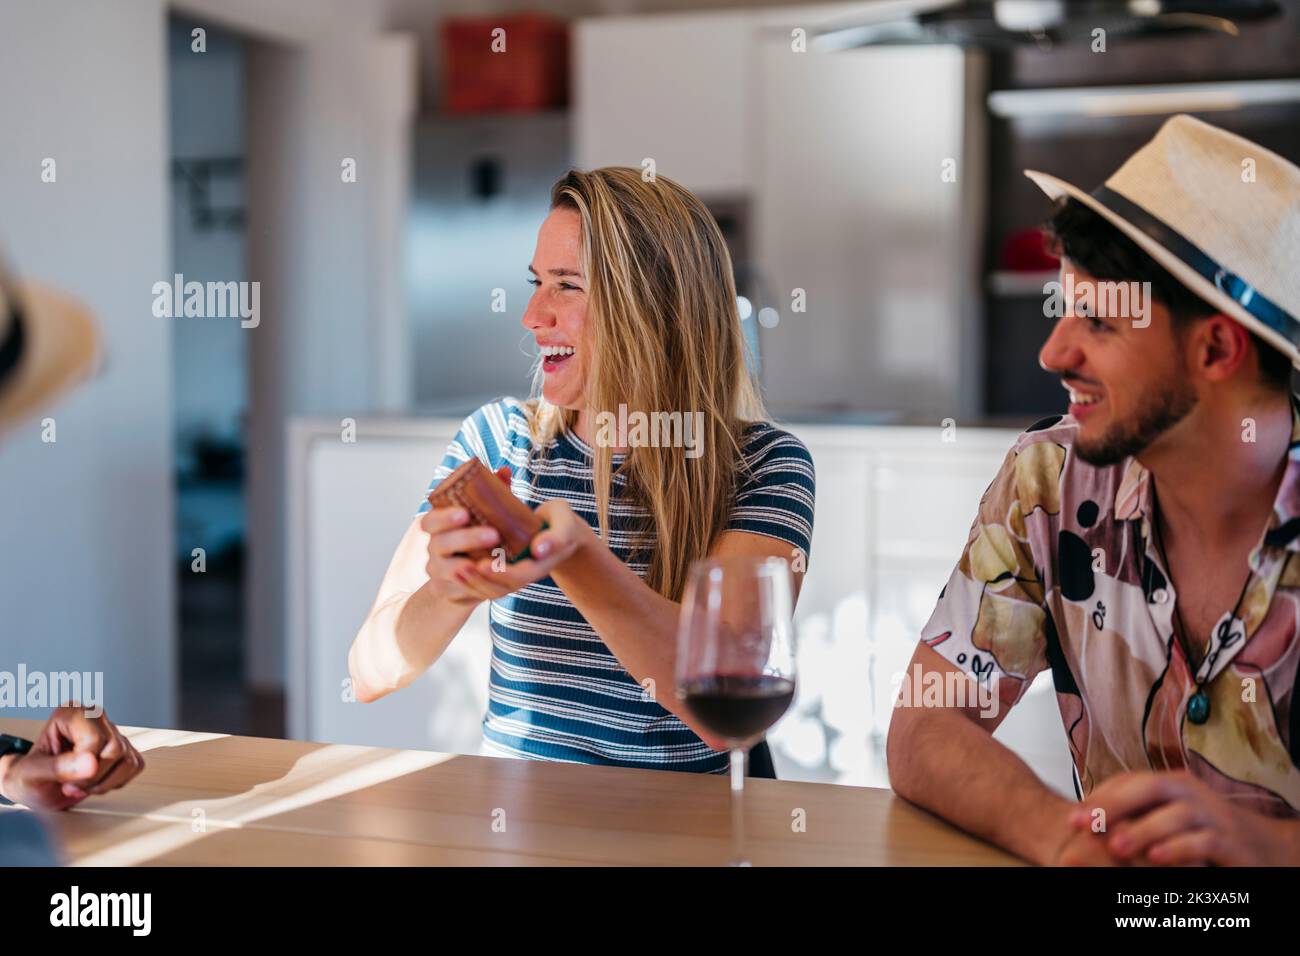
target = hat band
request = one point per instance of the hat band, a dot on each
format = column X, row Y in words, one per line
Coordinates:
column 1233, row 286
column 11, row 349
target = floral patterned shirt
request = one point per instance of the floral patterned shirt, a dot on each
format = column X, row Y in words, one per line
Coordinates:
column 1061, row 571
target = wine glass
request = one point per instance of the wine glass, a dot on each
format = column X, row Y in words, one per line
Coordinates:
column 736, row 659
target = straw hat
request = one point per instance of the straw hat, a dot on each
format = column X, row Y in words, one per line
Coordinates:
column 48, row 343
column 1220, row 213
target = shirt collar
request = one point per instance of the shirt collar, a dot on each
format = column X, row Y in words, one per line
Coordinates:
column 1133, row 499
column 1284, row 530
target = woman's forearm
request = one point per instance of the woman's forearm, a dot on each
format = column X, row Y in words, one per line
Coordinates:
column 638, row 625
column 400, row 639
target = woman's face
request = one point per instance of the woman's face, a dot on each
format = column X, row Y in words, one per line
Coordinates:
column 557, row 312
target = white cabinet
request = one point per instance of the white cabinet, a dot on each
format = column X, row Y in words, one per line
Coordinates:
column 894, row 509
column 350, row 504
column 894, row 506
column 667, row 88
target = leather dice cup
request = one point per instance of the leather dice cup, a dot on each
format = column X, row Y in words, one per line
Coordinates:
column 488, row 501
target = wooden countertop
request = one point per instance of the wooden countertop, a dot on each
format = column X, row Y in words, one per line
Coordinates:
column 212, row 799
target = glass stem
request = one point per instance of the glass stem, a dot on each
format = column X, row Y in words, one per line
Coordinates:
column 738, row 808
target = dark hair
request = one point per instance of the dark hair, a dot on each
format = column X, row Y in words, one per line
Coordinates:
column 1104, row 251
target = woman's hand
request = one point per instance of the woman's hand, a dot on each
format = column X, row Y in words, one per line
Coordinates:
column 564, row 536
column 450, row 534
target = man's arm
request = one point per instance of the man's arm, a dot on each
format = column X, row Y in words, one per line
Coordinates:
column 946, row 760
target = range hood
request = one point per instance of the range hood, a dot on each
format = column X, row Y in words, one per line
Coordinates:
column 1045, row 23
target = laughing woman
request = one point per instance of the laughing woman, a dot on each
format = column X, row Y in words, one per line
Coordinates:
column 634, row 309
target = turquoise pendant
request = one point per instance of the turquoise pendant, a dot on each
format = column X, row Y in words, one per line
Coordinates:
column 1198, row 708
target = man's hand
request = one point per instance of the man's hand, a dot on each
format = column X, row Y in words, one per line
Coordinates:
column 74, row 756
column 1085, row 848
column 1171, row 818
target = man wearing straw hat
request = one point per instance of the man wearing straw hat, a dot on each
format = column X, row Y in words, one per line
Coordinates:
column 48, row 342
column 1145, row 547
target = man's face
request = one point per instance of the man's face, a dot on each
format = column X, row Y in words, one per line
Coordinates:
column 1127, row 384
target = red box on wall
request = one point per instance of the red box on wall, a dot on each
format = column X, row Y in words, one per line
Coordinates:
column 531, row 73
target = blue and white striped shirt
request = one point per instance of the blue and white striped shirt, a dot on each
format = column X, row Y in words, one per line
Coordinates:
column 555, row 691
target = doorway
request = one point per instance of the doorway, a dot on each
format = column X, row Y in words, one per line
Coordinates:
column 211, row 395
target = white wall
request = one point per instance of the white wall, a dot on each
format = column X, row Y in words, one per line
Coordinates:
column 85, row 534
column 85, row 527
column 668, row 88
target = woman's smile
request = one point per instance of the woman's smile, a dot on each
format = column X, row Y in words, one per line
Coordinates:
column 554, row 357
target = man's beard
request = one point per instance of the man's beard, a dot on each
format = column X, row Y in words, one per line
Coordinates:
column 1165, row 407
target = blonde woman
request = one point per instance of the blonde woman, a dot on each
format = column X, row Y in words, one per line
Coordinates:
column 634, row 310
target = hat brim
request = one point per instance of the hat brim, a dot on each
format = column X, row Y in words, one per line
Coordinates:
column 1055, row 188
column 61, row 348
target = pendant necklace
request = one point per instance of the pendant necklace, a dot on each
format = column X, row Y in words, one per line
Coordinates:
column 1198, row 708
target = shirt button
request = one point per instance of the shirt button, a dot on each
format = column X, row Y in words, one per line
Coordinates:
column 1160, row 595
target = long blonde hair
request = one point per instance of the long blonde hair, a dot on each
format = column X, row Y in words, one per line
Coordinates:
column 664, row 335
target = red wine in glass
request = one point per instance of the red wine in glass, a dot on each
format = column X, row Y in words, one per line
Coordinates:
column 736, row 660
column 736, row 707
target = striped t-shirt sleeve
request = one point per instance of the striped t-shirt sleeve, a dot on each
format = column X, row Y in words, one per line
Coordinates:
column 486, row 435
column 777, row 489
